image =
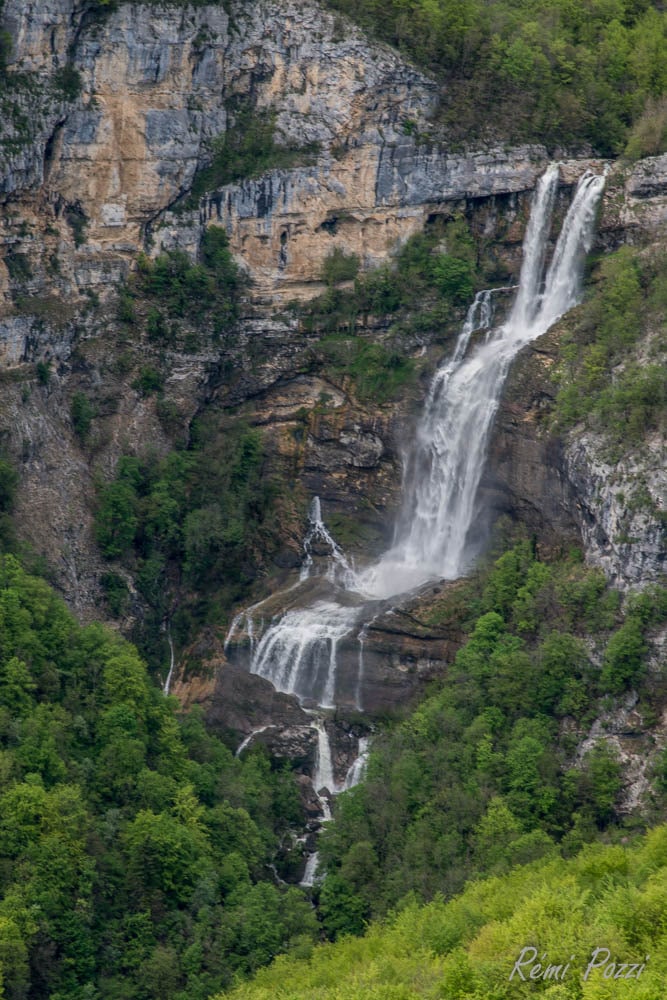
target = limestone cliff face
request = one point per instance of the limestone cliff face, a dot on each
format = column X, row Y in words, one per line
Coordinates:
column 90, row 178
column 89, row 182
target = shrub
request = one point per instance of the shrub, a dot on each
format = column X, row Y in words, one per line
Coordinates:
column 247, row 149
column 82, row 413
column 77, row 221
column 8, row 482
column 648, row 136
column 623, row 657
column 339, row 266
column 68, row 81
column 454, row 278
column 148, row 382
column 117, row 521
column 18, row 266
column 115, row 592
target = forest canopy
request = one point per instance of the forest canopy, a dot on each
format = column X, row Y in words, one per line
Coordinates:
column 565, row 72
column 607, row 897
column 133, row 845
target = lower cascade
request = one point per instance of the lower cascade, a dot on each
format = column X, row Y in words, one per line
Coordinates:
column 433, row 537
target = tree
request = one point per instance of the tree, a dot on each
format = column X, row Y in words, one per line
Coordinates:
column 623, row 657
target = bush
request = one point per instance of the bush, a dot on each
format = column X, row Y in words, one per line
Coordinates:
column 6, row 47
column 8, row 483
column 183, row 289
column 18, row 266
column 648, row 136
column 68, row 81
column 115, row 592
column 454, row 278
column 247, row 149
column 77, row 221
column 148, row 382
column 339, row 266
column 623, row 657
column 82, row 413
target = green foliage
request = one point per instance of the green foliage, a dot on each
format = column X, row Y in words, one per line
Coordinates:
column 247, row 149
column 562, row 73
column 115, row 591
column 148, row 381
column 82, row 413
column 18, row 266
column 480, row 776
column 648, row 136
column 8, row 483
column 597, row 380
column 171, row 289
column 468, row 947
column 132, row 842
column 117, row 519
column 77, row 221
column 433, row 275
column 377, row 373
column 193, row 527
column 43, row 370
column 624, row 656
column 339, row 266
column 454, row 278
column 6, row 46
column 68, row 81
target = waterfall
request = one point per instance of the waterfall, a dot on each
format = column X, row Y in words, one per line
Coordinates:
column 358, row 768
column 324, row 776
column 324, row 779
column 298, row 651
column 167, row 683
column 340, row 568
column 310, row 873
column 446, row 465
column 249, row 738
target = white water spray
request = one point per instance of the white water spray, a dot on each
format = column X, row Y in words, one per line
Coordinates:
column 310, row 874
column 358, row 768
column 249, row 738
column 298, row 653
column 323, row 779
column 340, row 570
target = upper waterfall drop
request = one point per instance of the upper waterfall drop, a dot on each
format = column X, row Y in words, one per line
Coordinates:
column 446, row 465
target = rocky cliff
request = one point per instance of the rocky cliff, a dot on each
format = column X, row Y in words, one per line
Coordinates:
column 132, row 102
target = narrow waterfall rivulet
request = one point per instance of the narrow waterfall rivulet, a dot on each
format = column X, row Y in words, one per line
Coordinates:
column 297, row 652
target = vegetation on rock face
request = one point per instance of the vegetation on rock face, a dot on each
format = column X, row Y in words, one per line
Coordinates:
column 195, row 528
column 247, row 149
column 609, row 898
column 133, row 845
column 563, row 73
column 431, row 278
column 599, row 378
column 171, row 289
column 481, row 776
